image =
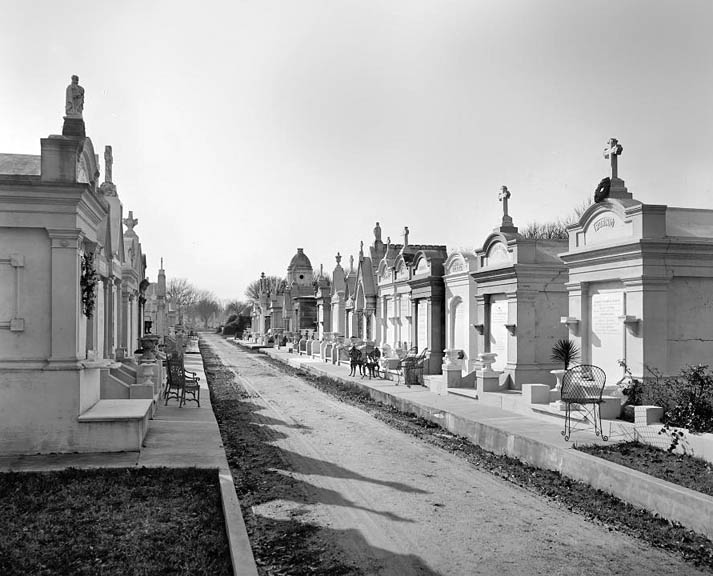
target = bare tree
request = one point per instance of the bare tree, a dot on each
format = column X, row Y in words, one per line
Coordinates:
column 182, row 294
column 252, row 292
column 557, row 229
column 238, row 307
column 205, row 306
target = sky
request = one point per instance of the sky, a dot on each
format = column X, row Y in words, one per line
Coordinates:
column 243, row 130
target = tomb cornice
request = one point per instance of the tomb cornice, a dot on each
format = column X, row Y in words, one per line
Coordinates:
column 495, row 273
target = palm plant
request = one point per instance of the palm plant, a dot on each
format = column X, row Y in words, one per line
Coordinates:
column 565, row 351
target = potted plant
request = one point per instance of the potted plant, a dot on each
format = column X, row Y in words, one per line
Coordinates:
column 567, row 352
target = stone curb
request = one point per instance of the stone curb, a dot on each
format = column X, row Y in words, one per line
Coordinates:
column 670, row 501
column 241, row 554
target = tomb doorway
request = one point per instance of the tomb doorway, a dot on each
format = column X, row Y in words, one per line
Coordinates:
column 604, row 343
column 497, row 332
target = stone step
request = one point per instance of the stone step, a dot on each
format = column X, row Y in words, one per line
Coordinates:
column 117, row 425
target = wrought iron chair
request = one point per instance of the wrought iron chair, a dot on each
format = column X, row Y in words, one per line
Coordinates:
column 582, row 386
column 180, row 382
column 413, row 368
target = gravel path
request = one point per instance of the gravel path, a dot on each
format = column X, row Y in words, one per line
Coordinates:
column 397, row 506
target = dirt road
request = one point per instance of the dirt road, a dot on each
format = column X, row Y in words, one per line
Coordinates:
column 397, row 506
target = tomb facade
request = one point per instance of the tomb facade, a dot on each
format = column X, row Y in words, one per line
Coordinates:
column 520, row 296
column 640, row 280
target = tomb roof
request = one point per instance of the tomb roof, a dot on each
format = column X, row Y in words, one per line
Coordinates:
column 300, row 260
column 27, row 164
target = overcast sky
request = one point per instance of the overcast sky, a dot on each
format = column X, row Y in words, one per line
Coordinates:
column 244, row 130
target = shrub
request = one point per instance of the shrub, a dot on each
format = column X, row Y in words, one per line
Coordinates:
column 687, row 399
column 565, row 351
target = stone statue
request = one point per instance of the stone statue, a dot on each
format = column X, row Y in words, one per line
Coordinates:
column 405, row 234
column 377, row 233
column 351, row 263
column 108, row 163
column 74, row 105
column 338, row 258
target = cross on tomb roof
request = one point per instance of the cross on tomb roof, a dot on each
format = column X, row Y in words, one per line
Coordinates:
column 612, row 152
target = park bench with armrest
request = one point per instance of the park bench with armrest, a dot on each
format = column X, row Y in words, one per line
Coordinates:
column 180, row 382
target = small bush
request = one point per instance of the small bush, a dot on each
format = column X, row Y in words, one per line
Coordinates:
column 565, row 351
column 687, row 399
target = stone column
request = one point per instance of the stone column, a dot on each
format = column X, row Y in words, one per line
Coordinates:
column 117, row 296
column 108, row 318
column 66, row 311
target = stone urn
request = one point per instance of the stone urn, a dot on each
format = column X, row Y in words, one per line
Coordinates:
column 558, row 375
column 149, row 342
column 453, row 358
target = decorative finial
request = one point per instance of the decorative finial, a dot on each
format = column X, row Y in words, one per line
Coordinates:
column 612, row 151
column 74, row 103
column 130, row 222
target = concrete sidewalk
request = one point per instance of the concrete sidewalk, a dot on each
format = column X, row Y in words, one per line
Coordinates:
column 177, row 438
column 532, row 440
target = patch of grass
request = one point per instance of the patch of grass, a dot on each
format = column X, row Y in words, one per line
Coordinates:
column 681, row 469
column 112, row 522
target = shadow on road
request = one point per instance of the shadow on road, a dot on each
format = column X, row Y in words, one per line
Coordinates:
column 263, row 474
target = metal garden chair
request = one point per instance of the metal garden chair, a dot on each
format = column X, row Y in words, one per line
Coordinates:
column 582, row 387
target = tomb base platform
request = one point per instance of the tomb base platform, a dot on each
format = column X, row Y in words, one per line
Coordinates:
column 117, row 425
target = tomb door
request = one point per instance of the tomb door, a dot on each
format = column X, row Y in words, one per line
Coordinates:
column 605, row 336
column 460, row 327
column 422, row 325
column 389, row 322
column 497, row 333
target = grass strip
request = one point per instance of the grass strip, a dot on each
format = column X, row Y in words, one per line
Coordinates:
column 682, row 469
column 112, row 522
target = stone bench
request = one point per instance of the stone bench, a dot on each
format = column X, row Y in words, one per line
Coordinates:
column 117, row 425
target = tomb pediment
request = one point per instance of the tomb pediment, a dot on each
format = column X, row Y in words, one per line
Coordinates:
column 422, row 266
column 496, row 254
column 605, row 226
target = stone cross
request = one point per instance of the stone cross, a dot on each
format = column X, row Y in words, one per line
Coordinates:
column 108, row 163
column 504, row 196
column 405, row 235
column 612, row 151
column 130, row 222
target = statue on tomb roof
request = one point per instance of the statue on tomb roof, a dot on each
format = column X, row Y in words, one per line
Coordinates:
column 108, row 163
column 74, row 102
column 338, row 257
column 377, row 233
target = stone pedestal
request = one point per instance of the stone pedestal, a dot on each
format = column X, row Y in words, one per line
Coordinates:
column 536, row 393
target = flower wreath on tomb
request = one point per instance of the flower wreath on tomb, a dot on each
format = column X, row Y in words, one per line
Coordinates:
column 88, row 283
